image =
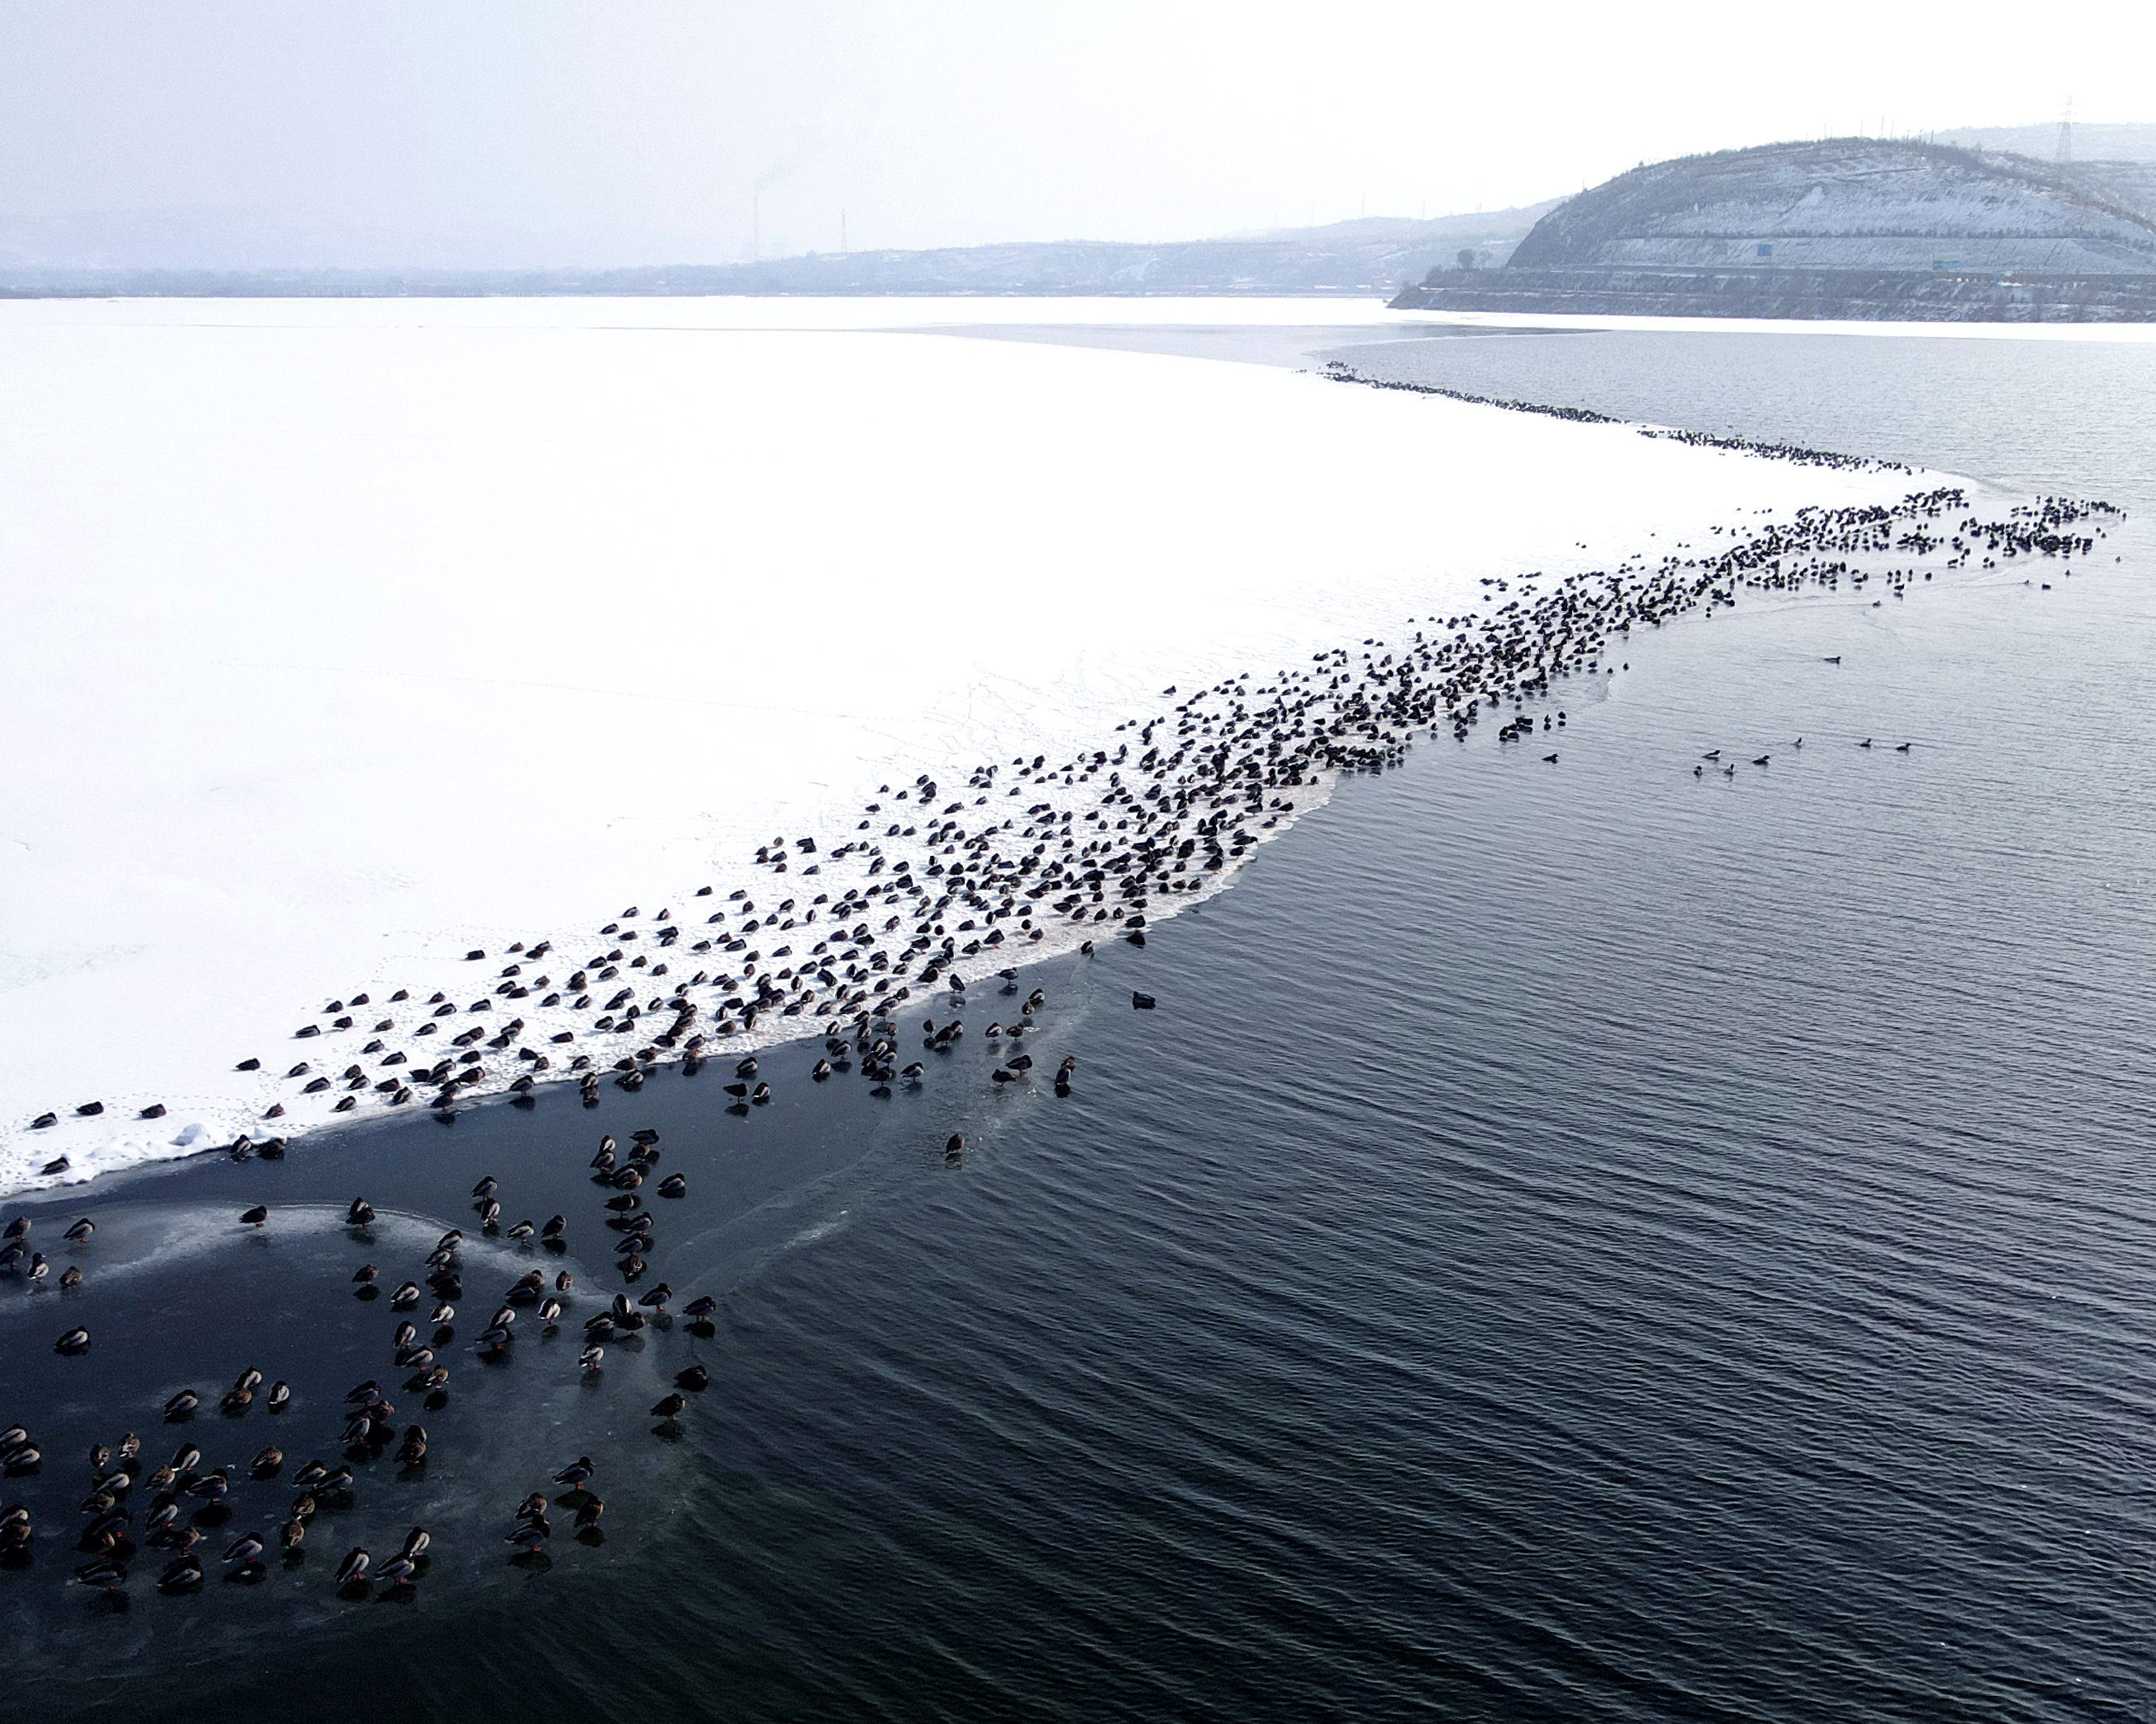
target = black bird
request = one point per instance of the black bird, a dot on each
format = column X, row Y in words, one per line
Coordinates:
column 254, row 1216
column 105, row 1573
column 670, row 1406
column 1142, row 1001
column 183, row 1574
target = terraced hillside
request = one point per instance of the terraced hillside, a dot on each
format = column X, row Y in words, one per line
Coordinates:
column 1845, row 228
column 1847, row 203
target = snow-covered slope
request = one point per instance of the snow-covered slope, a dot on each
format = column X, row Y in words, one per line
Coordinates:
column 343, row 639
column 1853, row 203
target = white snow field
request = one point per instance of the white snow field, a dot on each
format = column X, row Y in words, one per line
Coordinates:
column 341, row 638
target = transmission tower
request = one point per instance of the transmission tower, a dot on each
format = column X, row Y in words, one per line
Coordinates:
column 2067, row 133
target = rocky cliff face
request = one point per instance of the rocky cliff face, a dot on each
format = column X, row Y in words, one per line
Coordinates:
column 1855, row 203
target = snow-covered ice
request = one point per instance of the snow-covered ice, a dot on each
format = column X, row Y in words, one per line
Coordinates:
column 343, row 638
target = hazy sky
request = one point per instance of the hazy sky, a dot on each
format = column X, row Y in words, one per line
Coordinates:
column 524, row 131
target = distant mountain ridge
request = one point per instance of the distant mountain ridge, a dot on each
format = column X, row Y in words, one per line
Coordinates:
column 2094, row 141
column 1371, row 255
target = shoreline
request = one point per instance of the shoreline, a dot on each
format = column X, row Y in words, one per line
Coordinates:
column 1362, row 718
column 409, row 758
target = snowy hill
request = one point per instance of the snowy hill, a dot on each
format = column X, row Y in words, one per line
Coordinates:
column 1855, row 203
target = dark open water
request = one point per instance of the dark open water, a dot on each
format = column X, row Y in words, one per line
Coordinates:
column 1574, row 1243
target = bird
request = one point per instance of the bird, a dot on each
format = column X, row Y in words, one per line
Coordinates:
column 181, row 1574
column 254, row 1216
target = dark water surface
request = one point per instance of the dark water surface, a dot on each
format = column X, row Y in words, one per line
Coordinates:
column 2077, row 416
column 1574, row 1242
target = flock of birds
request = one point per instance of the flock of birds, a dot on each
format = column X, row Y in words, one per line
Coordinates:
column 185, row 1502
column 931, row 882
column 934, row 880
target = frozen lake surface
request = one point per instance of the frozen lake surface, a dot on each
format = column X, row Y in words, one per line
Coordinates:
column 345, row 638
